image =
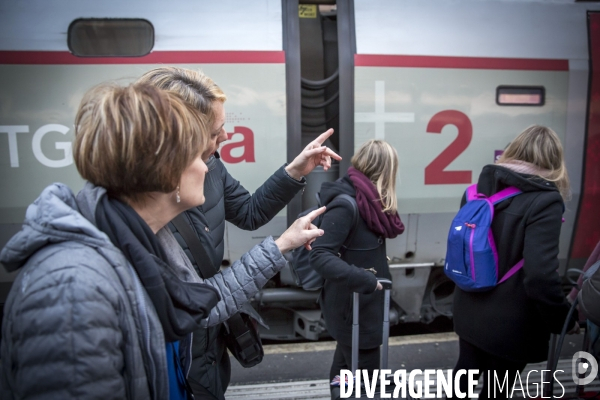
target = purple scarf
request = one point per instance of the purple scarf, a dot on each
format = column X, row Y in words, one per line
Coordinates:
column 370, row 207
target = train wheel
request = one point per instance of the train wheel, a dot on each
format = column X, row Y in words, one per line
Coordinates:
column 438, row 297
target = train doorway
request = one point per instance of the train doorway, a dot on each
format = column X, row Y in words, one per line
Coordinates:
column 320, row 80
column 587, row 231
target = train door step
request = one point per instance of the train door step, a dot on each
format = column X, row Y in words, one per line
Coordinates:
column 313, row 390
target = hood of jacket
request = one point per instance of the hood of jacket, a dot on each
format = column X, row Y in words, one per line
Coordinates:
column 329, row 190
column 494, row 178
column 57, row 215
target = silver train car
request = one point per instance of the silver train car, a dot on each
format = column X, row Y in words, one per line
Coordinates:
column 448, row 82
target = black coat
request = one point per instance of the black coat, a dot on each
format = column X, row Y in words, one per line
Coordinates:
column 514, row 320
column 348, row 274
column 227, row 200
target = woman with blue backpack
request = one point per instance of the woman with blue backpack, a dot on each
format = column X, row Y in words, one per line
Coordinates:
column 505, row 325
column 352, row 254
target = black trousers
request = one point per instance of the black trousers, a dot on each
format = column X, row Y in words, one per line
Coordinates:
column 471, row 357
column 342, row 359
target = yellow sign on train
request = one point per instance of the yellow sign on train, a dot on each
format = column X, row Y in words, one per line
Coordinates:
column 307, row 10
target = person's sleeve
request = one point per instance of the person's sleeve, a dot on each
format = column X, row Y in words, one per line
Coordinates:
column 337, row 223
column 63, row 337
column 589, row 298
column 594, row 257
column 240, row 282
column 540, row 252
column 251, row 211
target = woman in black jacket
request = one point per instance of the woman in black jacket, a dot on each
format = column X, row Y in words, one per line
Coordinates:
column 503, row 329
column 227, row 200
column 372, row 181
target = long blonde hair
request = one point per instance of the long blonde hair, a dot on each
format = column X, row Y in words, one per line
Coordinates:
column 378, row 160
column 540, row 146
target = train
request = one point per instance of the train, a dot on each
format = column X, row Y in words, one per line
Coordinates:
column 448, row 83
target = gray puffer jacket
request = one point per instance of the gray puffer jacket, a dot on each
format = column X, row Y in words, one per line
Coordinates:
column 228, row 200
column 77, row 321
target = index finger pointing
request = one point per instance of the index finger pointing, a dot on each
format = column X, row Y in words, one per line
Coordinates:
column 314, row 214
column 324, row 136
column 332, row 154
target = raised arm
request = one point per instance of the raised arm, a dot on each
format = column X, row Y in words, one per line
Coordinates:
column 251, row 211
column 240, row 282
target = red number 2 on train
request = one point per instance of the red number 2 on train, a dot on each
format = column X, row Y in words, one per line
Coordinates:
column 434, row 172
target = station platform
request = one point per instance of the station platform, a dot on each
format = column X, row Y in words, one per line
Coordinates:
column 299, row 371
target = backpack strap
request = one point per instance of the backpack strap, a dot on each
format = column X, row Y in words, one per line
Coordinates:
column 353, row 229
column 496, row 198
column 504, row 194
column 472, row 192
column 512, row 271
column 194, row 245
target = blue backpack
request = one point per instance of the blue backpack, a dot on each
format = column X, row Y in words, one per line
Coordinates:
column 471, row 256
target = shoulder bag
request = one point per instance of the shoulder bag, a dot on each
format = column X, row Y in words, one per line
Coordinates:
column 242, row 337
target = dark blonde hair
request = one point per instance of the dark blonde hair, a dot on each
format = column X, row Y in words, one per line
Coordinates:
column 378, row 160
column 193, row 86
column 136, row 139
column 540, row 146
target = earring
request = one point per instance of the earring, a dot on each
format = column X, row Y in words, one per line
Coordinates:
column 177, row 195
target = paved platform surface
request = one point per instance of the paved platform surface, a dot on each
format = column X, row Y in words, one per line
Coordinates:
column 300, row 371
column 311, row 361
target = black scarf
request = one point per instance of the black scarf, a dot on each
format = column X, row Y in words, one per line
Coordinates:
column 180, row 305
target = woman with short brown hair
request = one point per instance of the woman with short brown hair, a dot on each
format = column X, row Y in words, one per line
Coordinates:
column 103, row 307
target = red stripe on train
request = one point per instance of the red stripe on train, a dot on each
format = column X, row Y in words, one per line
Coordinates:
column 376, row 60
column 156, row 57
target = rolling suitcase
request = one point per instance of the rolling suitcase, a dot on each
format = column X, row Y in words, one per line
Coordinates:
column 387, row 286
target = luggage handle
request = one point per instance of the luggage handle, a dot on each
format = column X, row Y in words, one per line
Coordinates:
column 387, row 286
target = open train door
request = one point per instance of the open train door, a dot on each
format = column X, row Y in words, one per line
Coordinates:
column 587, row 228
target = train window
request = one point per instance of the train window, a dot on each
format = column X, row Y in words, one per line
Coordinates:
column 90, row 37
column 520, row 95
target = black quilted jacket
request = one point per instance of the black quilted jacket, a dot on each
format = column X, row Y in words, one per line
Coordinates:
column 227, row 200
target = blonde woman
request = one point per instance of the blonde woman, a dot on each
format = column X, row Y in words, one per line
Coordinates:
column 503, row 329
column 227, row 200
column 371, row 180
